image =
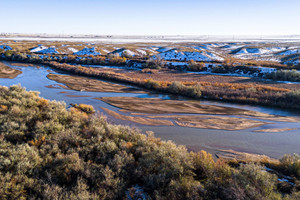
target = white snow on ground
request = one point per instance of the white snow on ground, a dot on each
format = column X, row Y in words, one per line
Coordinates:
column 242, row 51
column 150, row 50
column 87, row 51
column 289, row 52
column 251, row 51
column 163, row 49
column 259, row 53
column 50, row 50
column 127, row 52
column 142, row 52
column 72, row 49
column 5, row 47
column 266, row 69
column 294, row 47
column 268, row 50
column 105, row 50
column 201, row 47
column 177, row 63
column 187, row 56
column 123, row 52
column 294, row 61
column 38, row 48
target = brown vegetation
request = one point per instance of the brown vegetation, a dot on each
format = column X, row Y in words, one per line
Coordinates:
column 48, row 152
column 7, row 72
column 244, row 93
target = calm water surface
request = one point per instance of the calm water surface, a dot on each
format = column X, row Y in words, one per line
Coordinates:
column 271, row 144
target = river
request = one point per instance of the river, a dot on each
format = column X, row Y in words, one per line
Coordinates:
column 212, row 140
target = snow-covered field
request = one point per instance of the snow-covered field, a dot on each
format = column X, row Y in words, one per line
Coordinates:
column 174, row 54
column 281, row 51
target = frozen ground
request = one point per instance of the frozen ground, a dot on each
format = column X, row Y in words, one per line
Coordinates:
column 170, row 48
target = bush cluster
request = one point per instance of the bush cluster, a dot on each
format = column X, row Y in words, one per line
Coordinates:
column 195, row 66
column 284, row 75
column 154, row 63
column 48, row 152
column 85, row 60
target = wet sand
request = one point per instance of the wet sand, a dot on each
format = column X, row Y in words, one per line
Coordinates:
column 91, row 85
column 7, row 72
column 139, row 120
column 213, row 122
column 275, row 130
column 160, row 106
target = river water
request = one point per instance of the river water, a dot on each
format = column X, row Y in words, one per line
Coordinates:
column 212, row 140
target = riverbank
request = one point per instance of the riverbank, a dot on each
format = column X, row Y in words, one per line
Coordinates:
column 34, row 77
column 7, row 72
column 67, row 145
column 231, row 92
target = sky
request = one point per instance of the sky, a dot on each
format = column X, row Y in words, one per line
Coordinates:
column 152, row 17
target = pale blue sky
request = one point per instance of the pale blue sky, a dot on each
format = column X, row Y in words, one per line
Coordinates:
column 155, row 17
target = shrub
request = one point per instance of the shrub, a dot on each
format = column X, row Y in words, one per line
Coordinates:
column 84, row 108
column 194, row 91
column 48, row 152
column 116, row 60
column 176, row 87
column 194, row 66
column 156, row 63
column 284, row 75
column 219, row 69
column 151, row 84
column 290, row 164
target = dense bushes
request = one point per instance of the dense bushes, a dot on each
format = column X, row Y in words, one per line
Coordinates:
column 87, row 60
column 196, row 66
column 290, row 164
column 284, row 75
column 181, row 89
column 154, row 63
column 48, row 152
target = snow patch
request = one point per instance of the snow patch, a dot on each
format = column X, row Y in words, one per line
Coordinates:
column 87, row 51
column 5, row 47
column 38, row 48
column 187, row 56
column 50, row 50
column 72, row 49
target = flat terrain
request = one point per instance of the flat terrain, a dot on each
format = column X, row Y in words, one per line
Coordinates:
column 91, row 85
column 275, row 130
column 159, row 106
column 174, row 75
column 209, row 116
column 139, row 120
column 7, row 72
column 213, row 122
column 206, row 121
